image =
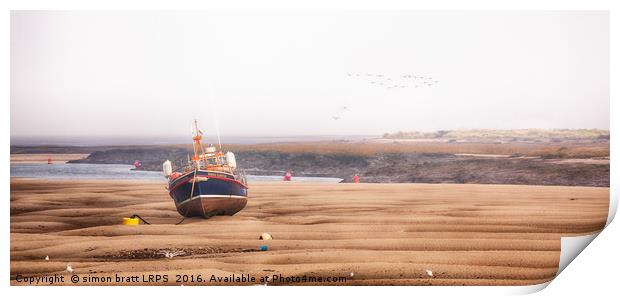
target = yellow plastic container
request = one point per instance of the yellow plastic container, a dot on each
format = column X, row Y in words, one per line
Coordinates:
column 131, row 221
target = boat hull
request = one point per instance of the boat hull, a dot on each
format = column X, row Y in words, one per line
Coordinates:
column 207, row 206
column 205, row 195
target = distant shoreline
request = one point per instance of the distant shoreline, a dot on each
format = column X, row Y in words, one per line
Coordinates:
column 44, row 157
column 564, row 163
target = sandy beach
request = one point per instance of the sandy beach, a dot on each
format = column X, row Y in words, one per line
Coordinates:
column 369, row 234
column 42, row 158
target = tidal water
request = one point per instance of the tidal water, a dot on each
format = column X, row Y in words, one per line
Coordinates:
column 117, row 172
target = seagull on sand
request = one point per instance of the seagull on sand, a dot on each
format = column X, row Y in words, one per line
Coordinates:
column 69, row 268
column 429, row 272
column 47, row 258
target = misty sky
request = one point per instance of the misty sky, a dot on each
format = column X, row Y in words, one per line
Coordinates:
column 285, row 73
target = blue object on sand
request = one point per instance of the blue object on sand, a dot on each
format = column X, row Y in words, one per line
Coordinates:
column 263, row 248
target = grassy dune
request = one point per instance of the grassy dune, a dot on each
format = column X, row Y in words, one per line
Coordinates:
column 513, row 134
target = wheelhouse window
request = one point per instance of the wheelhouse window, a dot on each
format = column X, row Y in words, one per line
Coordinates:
column 211, row 161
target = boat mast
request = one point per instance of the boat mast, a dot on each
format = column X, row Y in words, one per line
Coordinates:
column 198, row 148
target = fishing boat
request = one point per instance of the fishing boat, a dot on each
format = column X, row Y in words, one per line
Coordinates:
column 210, row 184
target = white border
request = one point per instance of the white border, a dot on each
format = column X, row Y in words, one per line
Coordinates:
column 594, row 267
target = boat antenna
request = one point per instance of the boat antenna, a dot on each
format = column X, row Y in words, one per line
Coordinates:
column 217, row 129
column 215, row 115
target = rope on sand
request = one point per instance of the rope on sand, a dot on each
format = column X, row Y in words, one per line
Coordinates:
column 141, row 219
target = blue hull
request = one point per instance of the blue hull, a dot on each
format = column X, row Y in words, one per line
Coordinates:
column 212, row 194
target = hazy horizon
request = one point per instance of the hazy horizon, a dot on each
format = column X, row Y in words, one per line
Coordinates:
column 295, row 74
column 172, row 139
column 158, row 139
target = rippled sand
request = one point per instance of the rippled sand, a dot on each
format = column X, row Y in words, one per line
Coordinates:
column 370, row 234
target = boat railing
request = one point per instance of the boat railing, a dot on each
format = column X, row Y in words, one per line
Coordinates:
column 241, row 176
column 238, row 174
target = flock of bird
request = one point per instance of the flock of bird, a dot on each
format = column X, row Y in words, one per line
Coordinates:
column 388, row 82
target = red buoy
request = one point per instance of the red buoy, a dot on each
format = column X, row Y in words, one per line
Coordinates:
column 288, row 176
column 49, row 160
